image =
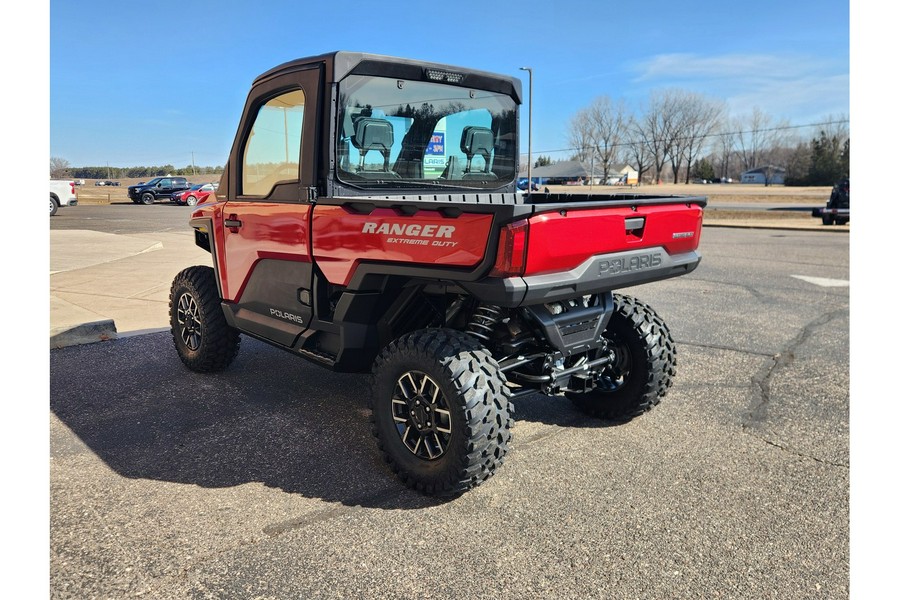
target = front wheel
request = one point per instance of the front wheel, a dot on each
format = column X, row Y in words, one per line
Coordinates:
column 643, row 368
column 827, row 220
column 147, row 198
column 441, row 411
column 191, row 200
column 203, row 339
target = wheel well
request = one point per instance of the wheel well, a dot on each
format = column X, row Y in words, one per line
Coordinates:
column 54, row 197
column 201, row 238
column 412, row 308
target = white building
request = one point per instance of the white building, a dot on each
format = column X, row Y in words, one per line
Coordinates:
column 774, row 174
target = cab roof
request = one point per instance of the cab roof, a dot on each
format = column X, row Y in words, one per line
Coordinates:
column 341, row 63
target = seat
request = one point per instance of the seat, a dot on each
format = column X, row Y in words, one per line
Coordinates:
column 374, row 134
column 477, row 141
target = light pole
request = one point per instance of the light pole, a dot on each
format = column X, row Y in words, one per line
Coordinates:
column 530, row 77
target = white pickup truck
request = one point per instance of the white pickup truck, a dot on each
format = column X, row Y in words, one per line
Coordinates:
column 62, row 193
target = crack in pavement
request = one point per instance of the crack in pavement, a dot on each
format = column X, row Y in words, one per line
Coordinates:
column 762, row 380
column 747, row 288
column 722, row 347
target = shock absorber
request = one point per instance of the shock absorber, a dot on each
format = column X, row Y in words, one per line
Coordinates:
column 483, row 320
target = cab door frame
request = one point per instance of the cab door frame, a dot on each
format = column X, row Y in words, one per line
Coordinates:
column 265, row 267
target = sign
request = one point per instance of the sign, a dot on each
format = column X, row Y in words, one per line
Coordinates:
column 435, row 155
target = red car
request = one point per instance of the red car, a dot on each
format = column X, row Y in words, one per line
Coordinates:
column 194, row 194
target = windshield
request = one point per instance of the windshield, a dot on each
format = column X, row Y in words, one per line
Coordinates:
column 396, row 133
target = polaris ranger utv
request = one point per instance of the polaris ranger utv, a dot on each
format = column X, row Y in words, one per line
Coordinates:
column 368, row 220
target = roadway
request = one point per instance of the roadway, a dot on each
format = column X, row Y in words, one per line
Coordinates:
column 264, row 481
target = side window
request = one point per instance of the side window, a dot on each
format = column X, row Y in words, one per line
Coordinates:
column 271, row 152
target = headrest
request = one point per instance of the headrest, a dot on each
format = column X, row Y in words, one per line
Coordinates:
column 373, row 134
column 477, row 140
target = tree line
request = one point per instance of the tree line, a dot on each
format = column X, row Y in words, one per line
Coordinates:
column 61, row 169
column 679, row 135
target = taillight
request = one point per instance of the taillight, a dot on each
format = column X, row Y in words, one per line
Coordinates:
column 512, row 250
column 72, row 185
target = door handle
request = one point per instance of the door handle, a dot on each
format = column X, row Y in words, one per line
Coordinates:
column 232, row 223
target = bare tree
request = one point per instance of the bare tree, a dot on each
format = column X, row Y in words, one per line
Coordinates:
column 608, row 121
column 757, row 134
column 700, row 116
column 636, row 149
column 58, row 166
column 679, row 102
column 580, row 135
column 725, row 143
column 655, row 128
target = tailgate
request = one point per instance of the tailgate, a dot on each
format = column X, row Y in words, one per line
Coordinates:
column 564, row 239
column 566, row 251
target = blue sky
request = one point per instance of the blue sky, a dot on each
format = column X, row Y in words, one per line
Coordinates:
column 151, row 83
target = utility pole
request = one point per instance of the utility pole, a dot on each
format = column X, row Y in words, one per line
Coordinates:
column 529, row 123
column 193, row 168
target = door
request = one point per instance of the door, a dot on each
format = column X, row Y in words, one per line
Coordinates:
column 267, row 268
column 164, row 188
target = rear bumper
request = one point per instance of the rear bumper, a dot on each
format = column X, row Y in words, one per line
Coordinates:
column 600, row 273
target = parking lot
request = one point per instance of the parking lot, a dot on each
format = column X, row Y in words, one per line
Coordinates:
column 265, row 482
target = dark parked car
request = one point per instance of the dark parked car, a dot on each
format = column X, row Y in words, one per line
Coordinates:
column 157, row 188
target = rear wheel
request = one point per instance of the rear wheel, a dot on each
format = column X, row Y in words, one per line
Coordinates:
column 441, row 411
column 147, row 198
column 643, row 369
column 204, row 340
column 54, row 206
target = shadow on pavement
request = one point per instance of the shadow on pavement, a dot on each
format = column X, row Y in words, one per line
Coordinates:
column 272, row 418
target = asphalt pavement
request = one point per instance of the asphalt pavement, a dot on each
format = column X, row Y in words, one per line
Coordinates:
column 264, row 481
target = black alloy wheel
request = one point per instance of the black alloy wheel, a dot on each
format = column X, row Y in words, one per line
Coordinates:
column 441, row 411
column 203, row 339
column 422, row 415
column 643, row 365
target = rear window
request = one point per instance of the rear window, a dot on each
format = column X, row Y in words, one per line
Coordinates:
column 412, row 133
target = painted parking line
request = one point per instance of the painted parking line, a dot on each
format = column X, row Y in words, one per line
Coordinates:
column 822, row 281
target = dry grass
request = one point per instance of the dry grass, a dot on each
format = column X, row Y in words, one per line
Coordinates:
column 717, row 194
column 724, row 193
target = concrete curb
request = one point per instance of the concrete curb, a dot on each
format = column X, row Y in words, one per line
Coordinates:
column 86, row 333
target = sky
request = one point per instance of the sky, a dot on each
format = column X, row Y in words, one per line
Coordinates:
column 165, row 82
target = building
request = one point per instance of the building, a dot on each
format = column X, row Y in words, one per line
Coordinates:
column 769, row 175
